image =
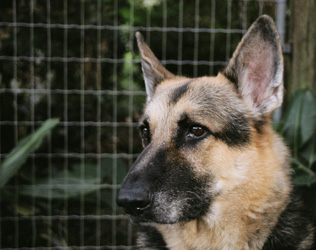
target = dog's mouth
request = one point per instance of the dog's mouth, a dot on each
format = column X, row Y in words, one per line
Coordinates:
column 138, row 208
column 195, row 204
column 169, row 208
column 141, row 213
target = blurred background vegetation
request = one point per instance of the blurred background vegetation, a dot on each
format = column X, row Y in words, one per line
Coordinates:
column 77, row 61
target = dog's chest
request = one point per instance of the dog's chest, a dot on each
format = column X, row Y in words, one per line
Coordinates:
column 177, row 237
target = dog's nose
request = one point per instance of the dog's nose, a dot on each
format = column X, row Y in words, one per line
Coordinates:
column 133, row 201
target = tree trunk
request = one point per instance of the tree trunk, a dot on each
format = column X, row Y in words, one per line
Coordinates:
column 303, row 21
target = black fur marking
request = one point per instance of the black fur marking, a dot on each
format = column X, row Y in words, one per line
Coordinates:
column 174, row 176
column 150, row 238
column 179, row 92
column 181, row 137
column 269, row 34
column 292, row 228
column 236, row 132
column 164, row 172
column 258, row 123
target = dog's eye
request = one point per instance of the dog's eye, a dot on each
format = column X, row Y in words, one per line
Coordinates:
column 196, row 131
column 145, row 134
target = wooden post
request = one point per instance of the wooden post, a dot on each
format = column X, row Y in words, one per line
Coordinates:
column 303, row 29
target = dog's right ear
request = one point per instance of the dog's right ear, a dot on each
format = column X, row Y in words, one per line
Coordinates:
column 256, row 67
column 154, row 72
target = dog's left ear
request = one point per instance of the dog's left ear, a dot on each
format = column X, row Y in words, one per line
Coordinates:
column 256, row 67
column 154, row 72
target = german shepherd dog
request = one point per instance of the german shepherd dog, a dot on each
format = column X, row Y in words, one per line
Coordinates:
column 213, row 174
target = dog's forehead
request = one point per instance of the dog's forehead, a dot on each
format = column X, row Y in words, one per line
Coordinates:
column 200, row 97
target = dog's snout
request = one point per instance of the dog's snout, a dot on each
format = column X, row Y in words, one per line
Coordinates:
column 134, row 201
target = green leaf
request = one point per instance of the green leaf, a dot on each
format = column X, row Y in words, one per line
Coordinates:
column 291, row 122
column 18, row 156
column 78, row 180
column 308, row 152
column 308, row 117
column 299, row 124
column 302, row 167
column 62, row 185
column 304, row 180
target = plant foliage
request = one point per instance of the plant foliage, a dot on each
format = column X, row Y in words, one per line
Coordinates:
column 18, row 156
column 298, row 128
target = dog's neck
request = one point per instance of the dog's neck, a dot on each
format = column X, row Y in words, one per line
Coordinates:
column 218, row 233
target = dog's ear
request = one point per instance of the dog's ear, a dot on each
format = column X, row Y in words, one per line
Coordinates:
column 154, row 72
column 257, row 67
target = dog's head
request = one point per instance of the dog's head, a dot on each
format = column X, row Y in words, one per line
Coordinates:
column 195, row 131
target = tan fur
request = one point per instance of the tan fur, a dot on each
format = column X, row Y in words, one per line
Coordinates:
column 256, row 176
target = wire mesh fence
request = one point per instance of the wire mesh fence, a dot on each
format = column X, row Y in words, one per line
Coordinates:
column 77, row 60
